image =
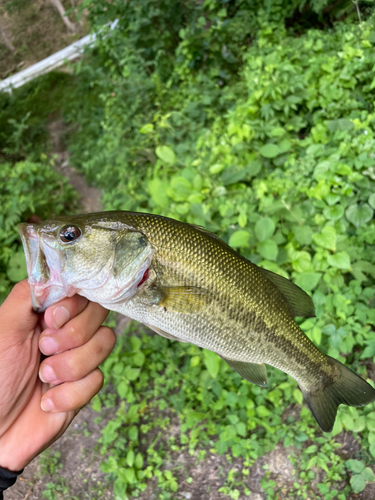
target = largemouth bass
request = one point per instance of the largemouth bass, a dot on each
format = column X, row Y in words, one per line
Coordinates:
column 188, row 285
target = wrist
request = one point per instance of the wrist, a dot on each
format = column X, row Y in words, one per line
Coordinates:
column 11, row 461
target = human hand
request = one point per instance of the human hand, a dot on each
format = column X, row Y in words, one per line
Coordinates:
column 38, row 400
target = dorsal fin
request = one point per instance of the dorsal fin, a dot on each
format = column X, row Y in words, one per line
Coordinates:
column 299, row 302
column 206, row 231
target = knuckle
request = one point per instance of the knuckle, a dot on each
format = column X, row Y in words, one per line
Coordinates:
column 71, row 367
column 110, row 336
column 77, row 333
column 99, row 378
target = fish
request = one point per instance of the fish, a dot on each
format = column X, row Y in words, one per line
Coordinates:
column 187, row 284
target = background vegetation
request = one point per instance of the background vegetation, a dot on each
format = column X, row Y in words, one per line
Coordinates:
column 256, row 120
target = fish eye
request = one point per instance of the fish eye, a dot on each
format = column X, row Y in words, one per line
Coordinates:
column 70, row 233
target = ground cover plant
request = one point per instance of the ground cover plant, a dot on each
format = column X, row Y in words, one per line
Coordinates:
column 255, row 120
column 29, row 185
column 261, row 130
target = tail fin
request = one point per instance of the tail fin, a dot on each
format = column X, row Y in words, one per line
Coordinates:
column 344, row 387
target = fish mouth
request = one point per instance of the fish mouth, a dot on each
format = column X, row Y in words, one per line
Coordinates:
column 45, row 284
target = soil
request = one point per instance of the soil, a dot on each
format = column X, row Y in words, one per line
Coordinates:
column 36, row 31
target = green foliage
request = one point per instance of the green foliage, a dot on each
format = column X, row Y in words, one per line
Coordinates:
column 26, row 188
column 249, row 119
column 361, row 475
column 261, row 130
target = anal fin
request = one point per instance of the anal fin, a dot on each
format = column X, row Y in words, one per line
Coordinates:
column 255, row 373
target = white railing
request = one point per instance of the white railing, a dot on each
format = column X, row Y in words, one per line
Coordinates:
column 49, row 63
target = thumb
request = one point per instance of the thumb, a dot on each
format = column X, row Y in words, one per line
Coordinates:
column 16, row 313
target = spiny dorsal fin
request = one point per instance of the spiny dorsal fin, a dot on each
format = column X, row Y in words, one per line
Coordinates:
column 255, row 373
column 299, row 302
column 183, row 299
column 206, row 231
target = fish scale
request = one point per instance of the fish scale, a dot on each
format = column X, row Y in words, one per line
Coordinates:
column 188, row 285
column 243, row 339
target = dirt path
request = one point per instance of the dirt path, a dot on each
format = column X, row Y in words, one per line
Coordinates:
column 90, row 196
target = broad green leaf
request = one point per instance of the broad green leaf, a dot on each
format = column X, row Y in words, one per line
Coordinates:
column 307, row 281
column 241, row 429
column 277, row 132
column 369, row 351
column 269, row 150
column 320, row 171
column 343, row 169
column 371, row 200
column 253, row 168
column 211, row 362
column 341, row 260
column 302, row 262
column 123, row 389
column 327, row 238
column 298, row 396
column 158, row 192
column 239, row 239
column 333, row 213
column 180, row 189
column 119, row 488
column 284, row 145
column 16, row 269
column 358, row 483
column 264, row 228
column 147, row 129
column 356, row 466
column 228, row 433
column 166, row 154
column 130, row 456
column 368, row 474
column 133, row 433
column 268, row 249
column 132, row 373
column 242, row 220
column 303, row 234
column 138, row 462
column 359, row 215
column 311, row 449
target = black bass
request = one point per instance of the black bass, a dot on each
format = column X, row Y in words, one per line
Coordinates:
column 188, row 285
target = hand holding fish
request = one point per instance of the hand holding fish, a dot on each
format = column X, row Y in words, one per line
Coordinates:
column 61, row 384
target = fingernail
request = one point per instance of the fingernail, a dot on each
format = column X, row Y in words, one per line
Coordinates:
column 47, row 374
column 60, row 316
column 47, row 405
column 48, row 346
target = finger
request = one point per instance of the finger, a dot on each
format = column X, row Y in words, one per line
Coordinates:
column 17, row 310
column 79, row 362
column 60, row 313
column 75, row 333
column 73, row 395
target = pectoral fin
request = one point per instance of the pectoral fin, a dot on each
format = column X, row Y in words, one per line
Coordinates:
column 182, row 299
column 164, row 334
column 299, row 302
column 255, row 373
